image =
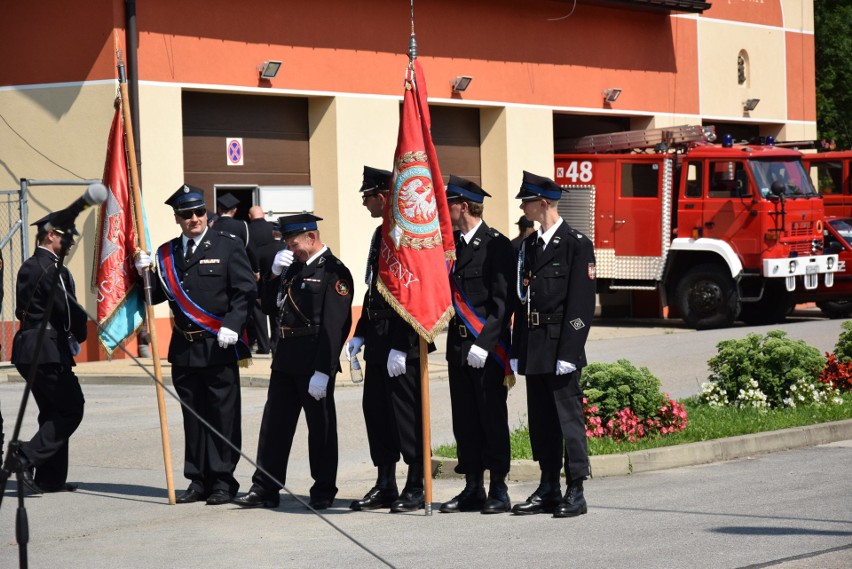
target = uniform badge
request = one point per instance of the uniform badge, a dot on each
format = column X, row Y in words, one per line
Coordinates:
column 209, row 262
column 578, row 323
column 341, row 287
column 591, row 271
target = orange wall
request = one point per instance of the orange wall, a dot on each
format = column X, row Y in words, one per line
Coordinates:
column 801, row 96
column 764, row 12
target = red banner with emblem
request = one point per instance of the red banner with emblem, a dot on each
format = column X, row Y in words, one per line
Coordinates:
column 417, row 236
column 120, row 304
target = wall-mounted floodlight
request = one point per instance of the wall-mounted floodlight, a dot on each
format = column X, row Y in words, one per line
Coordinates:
column 750, row 104
column 461, row 83
column 611, row 95
column 269, row 69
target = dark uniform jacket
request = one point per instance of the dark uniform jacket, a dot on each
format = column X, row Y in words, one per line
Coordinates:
column 33, row 290
column 485, row 272
column 241, row 230
column 218, row 279
column 315, row 315
column 561, row 300
column 381, row 327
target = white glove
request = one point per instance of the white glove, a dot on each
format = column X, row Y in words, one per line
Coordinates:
column 396, row 363
column 513, row 363
column 352, row 347
column 226, row 337
column 563, row 367
column 476, row 357
column 282, row 260
column 142, row 262
column 318, row 385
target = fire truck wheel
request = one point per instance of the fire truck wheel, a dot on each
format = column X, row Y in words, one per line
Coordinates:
column 836, row 308
column 707, row 297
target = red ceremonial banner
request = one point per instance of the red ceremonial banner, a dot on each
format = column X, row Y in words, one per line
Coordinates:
column 417, row 236
column 114, row 278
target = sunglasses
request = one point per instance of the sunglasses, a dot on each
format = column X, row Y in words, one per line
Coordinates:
column 188, row 213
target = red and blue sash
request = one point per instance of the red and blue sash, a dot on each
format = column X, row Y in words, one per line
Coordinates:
column 204, row 319
column 475, row 323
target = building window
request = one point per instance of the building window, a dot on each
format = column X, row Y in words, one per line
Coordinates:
column 742, row 68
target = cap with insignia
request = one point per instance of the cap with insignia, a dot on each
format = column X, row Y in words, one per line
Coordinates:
column 524, row 223
column 186, row 197
column 50, row 218
column 227, row 202
column 537, row 187
column 375, row 180
column 460, row 188
column 290, row 225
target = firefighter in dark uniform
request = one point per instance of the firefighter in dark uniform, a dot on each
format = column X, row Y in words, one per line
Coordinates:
column 206, row 277
column 391, row 400
column 311, row 290
column 556, row 286
column 226, row 206
column 478, row 340
column 55, row 387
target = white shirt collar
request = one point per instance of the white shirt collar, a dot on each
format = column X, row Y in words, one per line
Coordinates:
column 548, row 235
column 317, row 254
column 468, row 237
column 198, row 239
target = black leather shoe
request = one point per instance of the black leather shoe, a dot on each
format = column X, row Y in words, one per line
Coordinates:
column 26, row 472
column 256, row 499
column 573, row 504
column 376, row 498
column 320, row 504
column 538, row 503
column 189, row 496
column 409, row 501
column 61, row 488
column 218, row 497
column 498, row 495
column 469, row 500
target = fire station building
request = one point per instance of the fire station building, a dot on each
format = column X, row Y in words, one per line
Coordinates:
column 310, row 92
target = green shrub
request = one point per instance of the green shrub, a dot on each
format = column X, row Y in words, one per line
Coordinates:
column 760, row 371
column 843, row 348
column 615, row 386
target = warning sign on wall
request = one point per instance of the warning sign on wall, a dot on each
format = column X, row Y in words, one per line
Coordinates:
column 234, row 149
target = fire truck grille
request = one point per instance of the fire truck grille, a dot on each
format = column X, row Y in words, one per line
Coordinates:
column 801, row 247
column 801, row 229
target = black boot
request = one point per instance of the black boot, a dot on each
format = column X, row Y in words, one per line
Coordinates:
column 498, row 495
column 573, row 504
column 412, row 498
column 471, row 498
column 383, row 494
column 545, row 498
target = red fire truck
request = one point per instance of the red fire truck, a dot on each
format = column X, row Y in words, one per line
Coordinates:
column 720, row 232
column 830, row 171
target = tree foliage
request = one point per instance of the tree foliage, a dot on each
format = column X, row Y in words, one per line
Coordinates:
column 833, row 45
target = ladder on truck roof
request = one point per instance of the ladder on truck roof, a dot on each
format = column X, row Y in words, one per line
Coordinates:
column 640, row 139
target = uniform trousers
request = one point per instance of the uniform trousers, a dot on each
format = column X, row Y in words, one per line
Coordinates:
column 257, row 325
column 286, row 398
column 393, row 413
column 480, row 417
column 60, row 401
column 557, row 423
column 214, row 393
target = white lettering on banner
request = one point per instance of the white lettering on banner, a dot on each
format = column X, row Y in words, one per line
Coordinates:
column 105, row 287
column 399, row 272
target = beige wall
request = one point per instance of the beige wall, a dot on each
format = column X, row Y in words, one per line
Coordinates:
column 798, row 14
column 719, row 43
column 348, row 133
column 514, row 139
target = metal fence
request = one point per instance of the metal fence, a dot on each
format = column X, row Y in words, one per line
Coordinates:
column 14, row 219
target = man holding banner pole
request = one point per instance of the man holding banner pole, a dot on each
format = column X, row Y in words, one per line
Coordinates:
column 206, row 277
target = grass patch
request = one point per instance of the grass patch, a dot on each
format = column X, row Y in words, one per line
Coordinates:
column 705, row 423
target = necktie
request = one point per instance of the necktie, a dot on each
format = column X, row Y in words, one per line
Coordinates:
column 190, row 248
column 539, row 245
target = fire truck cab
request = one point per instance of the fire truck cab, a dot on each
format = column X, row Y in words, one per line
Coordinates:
column 830, row 173
column 721, row 232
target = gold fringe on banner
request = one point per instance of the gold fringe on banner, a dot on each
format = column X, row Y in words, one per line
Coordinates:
column 428, row 335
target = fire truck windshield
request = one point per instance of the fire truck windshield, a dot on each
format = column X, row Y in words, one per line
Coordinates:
column 790, row 173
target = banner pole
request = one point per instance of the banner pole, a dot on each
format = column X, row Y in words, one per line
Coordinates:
column 427, row 431
column 149, row 308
